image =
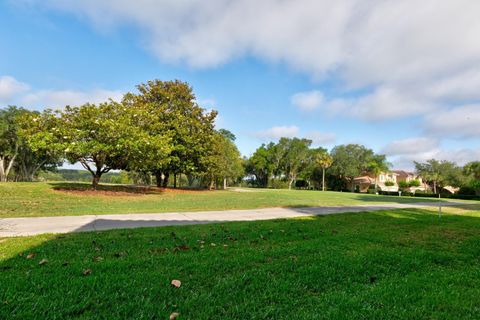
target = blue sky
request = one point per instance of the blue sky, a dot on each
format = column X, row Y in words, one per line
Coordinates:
column 335, row 73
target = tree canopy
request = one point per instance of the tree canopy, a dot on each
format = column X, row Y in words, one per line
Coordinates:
column 172, row 108
column 350, row 161
column 439, row 173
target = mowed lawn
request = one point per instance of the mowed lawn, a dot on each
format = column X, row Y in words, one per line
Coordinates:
column 402, row 264
column 55, row 199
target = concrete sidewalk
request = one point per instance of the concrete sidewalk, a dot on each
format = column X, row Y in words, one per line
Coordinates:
column 10, row 227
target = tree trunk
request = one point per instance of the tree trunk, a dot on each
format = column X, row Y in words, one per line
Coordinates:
column 96, row 180
column 434, row 187
column 323, row 179
column 158, row 177
column 212, row 181
column 5, row 171
column 165, row 179
column 376, row 184
column 290, row 184
column 191, row 179
column 174, row 181
column 224, row 183
column 2, row 170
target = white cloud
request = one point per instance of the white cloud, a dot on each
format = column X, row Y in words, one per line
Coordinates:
column 307, row 101
column 320, row 138
column 278, row 132
column 411, row 146
column 18, row 93
column 411, row 65
column 10, row 87
column 275, row 133
column 459, row 156
column 460, row 87
column 61, row 98
column 403, row 153
column 384, row 103
column 365, row 39
column 460, row 122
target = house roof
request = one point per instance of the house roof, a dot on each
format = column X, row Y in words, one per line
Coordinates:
column 403, row 173
column 364, row 179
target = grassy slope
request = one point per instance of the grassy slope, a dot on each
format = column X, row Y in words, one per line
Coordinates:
column 40, row 199
column 404, row 264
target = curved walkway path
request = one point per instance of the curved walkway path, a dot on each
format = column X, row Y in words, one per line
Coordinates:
column 10, row 227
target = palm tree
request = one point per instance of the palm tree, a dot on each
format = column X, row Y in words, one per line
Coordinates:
column 325, row 161
column 378, row 164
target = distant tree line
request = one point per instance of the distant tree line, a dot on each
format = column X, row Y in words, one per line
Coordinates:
column 292, row 162
column 159, row 134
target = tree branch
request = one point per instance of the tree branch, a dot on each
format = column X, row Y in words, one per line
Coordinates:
column 86, row 166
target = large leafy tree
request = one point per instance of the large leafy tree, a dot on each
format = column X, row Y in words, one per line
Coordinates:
column 295, row 154
column 172, row 108
column 349, row 161
column 260, row 165
column 224, row 162
column 439, row 173
column 100, row 137
column 9, row 140
column 472, row 169
column 15, row 152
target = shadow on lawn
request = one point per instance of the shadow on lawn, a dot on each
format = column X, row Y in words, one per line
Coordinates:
column 111, row 189
column 433, row 202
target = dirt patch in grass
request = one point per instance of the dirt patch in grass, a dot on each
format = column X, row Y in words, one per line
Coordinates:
column 104, row 193
column 118, row 191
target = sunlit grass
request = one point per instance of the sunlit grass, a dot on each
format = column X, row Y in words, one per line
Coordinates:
column 41, row 199
column 401, row 264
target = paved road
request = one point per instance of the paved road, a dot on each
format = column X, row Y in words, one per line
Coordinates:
column 10, row 227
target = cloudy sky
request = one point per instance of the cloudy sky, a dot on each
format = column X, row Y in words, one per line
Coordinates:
column 401, row 77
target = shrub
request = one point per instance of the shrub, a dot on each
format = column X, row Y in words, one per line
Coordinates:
column 414, row 183
column 475, row 185
column 425, row 194
column 466, row 191
column 388, row 193
column 403, row 184
column 279, row 184
column 389, row 183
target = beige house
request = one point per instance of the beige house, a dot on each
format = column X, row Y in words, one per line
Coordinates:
column 388, row 181
column 409, row 177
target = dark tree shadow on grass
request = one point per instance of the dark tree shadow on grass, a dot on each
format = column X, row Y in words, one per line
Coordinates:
column 112, row 189
column 401, row 199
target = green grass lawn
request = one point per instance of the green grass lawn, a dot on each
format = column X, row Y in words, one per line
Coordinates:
column 46, row 199
column 403, row 264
